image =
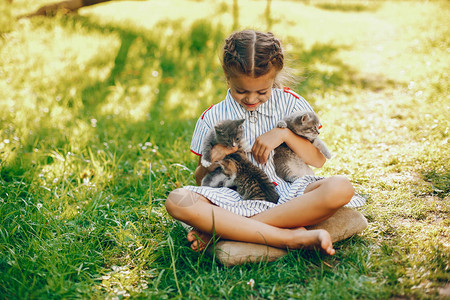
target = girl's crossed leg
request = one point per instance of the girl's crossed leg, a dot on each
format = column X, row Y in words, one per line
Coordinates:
column 281, row 226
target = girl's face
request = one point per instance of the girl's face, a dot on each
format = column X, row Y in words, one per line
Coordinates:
column 251, row 92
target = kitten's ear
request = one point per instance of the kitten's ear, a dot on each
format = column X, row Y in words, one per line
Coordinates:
column 240, row 122
column 224, row 164
column 218, row 130
column 305, row 118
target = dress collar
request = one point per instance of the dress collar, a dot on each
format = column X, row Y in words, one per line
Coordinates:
column 267, row 108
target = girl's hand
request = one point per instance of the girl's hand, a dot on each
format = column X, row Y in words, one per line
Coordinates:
column 218, row 152
column 266, row 142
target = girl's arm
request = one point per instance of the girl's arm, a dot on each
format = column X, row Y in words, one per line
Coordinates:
column 268, row 141
column 218, row 152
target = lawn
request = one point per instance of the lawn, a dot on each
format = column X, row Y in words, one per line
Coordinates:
column 96, row 115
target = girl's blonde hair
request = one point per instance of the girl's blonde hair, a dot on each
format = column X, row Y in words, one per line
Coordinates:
column 252, row 53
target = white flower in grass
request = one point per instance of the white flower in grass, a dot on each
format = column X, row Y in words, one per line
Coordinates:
column 38, row 206
column 251, row 283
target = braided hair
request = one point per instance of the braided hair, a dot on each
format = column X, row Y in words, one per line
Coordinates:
column 251, row 53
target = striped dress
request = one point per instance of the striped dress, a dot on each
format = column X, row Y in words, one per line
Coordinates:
column 282, row 103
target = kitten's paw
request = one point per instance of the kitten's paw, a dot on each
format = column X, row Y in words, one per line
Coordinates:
column 282, row 124
column 245, row 146
column 247, row 149
column 291, row 179
column 205, row 163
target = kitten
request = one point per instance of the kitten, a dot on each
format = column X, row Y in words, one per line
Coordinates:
column 227, row 133
column 288, row 165
column 217, row 178
column 249, row 181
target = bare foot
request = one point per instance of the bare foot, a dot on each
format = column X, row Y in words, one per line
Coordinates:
column 199, row 240
column 312, row 238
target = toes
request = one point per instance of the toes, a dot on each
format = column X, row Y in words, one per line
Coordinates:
column 197, row 246
column 191, row 236
column 194, row 246
column 329, row 250
column 199, row 240
column 196, row 240
column 326, row 244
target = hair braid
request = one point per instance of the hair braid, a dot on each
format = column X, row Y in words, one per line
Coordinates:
column 237, row 55
column 251, row 53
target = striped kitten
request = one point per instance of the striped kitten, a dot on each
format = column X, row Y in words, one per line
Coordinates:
column 217, row 178
column 288, row 165
column 249, row 181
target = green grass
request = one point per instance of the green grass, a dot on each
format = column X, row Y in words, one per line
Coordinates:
column 96, row 116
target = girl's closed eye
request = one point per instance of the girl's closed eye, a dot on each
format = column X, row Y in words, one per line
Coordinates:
column 259, row 92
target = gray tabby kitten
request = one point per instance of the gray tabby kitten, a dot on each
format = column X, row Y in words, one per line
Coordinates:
column 249, row 181
column 288, row 165
column 228, row 133
column 217, row 178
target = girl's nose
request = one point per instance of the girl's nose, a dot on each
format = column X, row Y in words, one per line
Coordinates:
column 252, row 99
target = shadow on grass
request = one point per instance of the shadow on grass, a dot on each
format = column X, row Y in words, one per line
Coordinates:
column 176, row 57
column 188, row 58
column 321, row 72
column 178, row 66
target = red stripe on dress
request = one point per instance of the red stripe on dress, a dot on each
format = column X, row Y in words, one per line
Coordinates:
column 205, row 112
column 195, row 153
column 288, row 90
column 274, row 183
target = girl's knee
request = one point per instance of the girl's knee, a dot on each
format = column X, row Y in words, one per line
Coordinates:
column 340, row 190
column 178, row 202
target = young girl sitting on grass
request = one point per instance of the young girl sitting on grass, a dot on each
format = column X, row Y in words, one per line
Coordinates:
column 251, row 62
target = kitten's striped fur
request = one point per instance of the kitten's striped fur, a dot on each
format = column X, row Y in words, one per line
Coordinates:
column 250, row 181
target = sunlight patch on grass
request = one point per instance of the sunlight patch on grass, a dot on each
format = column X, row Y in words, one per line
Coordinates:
column 119, row 102
column 68, row 54
column 348, row 6
column 124, row 281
